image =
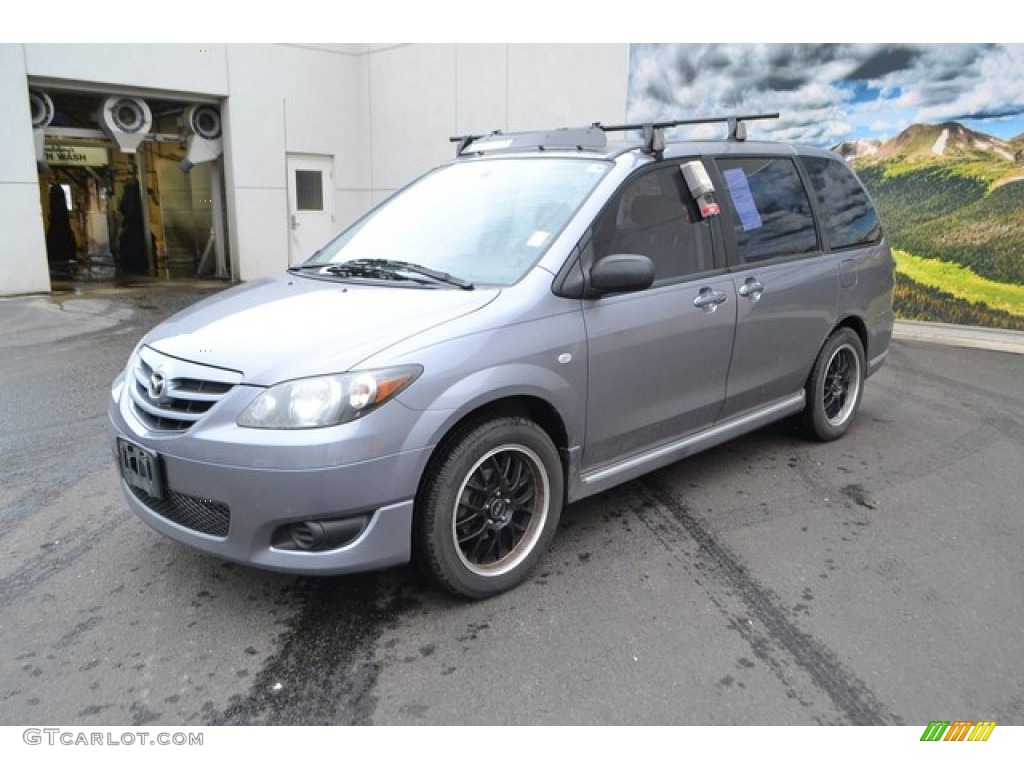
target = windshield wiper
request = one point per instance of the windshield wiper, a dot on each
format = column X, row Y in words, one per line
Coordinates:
column 389, row 269
column 362, row 269
column 356, row 269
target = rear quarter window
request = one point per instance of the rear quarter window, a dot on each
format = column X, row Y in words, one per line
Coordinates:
column 848, row 217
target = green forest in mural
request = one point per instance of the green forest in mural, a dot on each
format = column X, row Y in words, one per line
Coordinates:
column 952, row 200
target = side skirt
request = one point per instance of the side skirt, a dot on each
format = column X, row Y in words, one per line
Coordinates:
column 583, row 484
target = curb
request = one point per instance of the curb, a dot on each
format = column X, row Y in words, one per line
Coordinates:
column 970, row 336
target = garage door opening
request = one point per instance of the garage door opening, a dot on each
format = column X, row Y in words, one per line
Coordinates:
column 130, row 190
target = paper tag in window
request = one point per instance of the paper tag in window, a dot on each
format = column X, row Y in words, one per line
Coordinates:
column 742, row 198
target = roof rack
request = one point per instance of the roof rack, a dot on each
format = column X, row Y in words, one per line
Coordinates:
column 654, row 133
column 593, row 136
column 588, row 137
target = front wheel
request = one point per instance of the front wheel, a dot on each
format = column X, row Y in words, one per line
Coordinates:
column 834, row 387
column 491, row 508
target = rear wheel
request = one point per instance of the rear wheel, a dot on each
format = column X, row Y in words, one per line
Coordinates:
column 491, row 508
column 835, row 386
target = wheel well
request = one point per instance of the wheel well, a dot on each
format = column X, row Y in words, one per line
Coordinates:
column 533, row 408
column 857, row 326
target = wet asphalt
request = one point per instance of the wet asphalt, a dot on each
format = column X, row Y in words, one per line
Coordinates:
column 874, row 580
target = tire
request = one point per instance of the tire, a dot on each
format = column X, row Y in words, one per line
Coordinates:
column 835, row 387
column 490, row 509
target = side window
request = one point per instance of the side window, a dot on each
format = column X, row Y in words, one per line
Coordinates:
column 654, row 215
column 770, row 210
column 848, row 216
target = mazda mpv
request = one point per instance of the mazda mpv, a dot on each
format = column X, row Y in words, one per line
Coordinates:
column 544, row 317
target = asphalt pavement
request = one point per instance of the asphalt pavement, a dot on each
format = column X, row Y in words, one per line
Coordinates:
column 874, row 580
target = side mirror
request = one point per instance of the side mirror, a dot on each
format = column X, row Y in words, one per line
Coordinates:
column 621, row 273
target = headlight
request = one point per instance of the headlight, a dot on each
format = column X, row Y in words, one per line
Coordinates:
column 324, row 401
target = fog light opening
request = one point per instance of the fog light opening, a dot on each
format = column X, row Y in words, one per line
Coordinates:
column 308, row 535
column 320, row 535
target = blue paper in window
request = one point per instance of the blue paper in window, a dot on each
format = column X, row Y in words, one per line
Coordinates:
column 742, row 198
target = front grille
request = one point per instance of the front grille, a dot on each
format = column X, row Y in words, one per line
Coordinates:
column 170, row 395
column 202, row 515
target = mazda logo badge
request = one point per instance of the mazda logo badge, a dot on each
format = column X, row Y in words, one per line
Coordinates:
column 157, row 385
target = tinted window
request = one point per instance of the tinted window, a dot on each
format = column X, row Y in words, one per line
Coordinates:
column 654, row 215
column 770, row 210
column 849, row 218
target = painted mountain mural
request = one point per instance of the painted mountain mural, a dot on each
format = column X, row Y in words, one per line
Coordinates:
column 952, row 200
column 935, row 131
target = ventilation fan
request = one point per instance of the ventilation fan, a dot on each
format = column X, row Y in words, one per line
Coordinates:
column 126, row 120
column 204, row 142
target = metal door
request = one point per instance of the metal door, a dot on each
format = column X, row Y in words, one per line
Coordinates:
column 310, row 204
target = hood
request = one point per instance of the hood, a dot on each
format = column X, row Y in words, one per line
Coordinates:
column 288, row 326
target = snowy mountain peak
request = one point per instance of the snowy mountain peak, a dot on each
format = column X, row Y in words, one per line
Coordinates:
column 856, row 148
column 948, row 138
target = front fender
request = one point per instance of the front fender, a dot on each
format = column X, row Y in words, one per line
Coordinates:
column 482, row 388
column 543, row 358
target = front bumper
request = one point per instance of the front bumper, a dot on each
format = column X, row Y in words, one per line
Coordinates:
column 233, row 512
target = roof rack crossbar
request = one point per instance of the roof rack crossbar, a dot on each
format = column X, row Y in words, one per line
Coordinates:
column 654, row 131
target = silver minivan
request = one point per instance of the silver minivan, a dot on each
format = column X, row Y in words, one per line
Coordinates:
column 544, row 317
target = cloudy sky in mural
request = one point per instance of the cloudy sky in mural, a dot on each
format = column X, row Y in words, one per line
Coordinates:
column 830, row 93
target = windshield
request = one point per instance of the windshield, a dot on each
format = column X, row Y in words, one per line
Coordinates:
column 484, row 222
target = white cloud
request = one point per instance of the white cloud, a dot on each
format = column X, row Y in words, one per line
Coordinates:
column 826, row 93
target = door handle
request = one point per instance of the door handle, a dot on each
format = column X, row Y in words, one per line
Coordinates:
column 752, row 289
column 295, row 222
column 708, row 299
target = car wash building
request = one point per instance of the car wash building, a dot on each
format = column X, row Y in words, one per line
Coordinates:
column 175, row 162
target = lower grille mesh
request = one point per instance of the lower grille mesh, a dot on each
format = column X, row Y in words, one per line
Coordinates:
column 203, row 515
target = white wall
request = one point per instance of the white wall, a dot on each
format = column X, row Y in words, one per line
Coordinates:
column 23, row 266
column 290, row 99
column 422, row 94
column 566, row 85
column 385, row 113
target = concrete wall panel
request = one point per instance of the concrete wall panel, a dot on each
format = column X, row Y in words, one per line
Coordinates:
column 23, row 266
column 566, row 85
column 290, row 99
column 481, row 80
column 412, row 111
column 262, row 248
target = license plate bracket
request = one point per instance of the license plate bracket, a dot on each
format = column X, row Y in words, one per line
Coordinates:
column 141, row 468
